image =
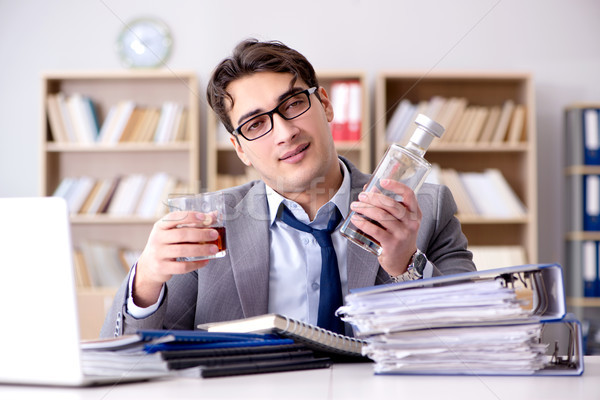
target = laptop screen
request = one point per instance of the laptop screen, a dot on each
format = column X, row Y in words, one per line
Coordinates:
column 40, row 333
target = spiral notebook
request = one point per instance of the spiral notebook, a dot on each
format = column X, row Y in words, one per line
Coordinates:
column 312, row 336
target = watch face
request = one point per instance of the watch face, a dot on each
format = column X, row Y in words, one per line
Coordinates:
column 144, row 43
column 419, row 262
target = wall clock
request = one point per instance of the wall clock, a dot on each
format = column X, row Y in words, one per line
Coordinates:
column 144, row 43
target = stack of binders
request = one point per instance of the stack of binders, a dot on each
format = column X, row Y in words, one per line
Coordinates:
column 507, row 321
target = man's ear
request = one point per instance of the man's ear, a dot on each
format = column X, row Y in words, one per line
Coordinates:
column 238, row 149
column 327, row 106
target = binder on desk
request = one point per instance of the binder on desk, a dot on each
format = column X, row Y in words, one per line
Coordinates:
column 506, row 321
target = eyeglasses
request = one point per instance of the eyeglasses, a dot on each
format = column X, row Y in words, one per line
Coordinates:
column 290, row 108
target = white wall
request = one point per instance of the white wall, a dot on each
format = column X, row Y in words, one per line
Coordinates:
column 558, row 41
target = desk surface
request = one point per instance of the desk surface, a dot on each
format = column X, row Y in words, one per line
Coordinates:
column 342, row 381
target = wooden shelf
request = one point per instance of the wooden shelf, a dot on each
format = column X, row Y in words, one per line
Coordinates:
column 123, row 147
column 516, row 161
column 181, row 160
column 583, row 301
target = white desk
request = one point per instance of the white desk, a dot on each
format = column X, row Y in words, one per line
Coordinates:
column 343, row 381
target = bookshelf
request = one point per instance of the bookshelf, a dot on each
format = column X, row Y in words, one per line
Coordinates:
column 224, row 169
column 582, row 218
column 513, row 153
column 176, row 156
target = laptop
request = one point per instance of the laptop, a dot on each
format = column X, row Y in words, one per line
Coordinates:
column 38, row 303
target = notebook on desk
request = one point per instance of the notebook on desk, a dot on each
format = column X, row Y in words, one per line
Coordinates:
column 40, row 334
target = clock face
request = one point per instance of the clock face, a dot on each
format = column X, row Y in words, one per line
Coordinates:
column 144, row 43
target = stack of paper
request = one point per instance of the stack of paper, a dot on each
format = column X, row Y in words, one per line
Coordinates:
column 494, row 322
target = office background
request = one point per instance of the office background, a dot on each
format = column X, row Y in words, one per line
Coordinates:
column 555, row 40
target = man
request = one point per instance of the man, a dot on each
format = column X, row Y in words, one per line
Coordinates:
column 269, row 99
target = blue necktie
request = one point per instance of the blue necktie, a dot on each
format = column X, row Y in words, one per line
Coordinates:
column 330, row 297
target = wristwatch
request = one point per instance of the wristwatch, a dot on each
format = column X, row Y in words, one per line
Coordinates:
column 415, row 268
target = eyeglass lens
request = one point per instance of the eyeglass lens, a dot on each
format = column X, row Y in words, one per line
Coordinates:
column 290, row 108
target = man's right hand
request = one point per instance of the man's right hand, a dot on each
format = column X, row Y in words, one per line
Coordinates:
column 177, row 234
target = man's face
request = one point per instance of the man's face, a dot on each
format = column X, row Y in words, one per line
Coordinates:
column 298, row 153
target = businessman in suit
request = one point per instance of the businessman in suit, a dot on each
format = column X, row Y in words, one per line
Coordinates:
column 268, row 97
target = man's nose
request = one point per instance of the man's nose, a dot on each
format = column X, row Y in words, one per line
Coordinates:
column 284, row 129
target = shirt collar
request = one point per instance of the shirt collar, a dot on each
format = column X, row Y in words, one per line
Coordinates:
column 341, row 199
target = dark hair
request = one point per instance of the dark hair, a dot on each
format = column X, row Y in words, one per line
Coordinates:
column 251, row 56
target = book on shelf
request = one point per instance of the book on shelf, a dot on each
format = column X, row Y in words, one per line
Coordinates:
column 311, row 336
column 591, row 135
column 83, row 116
column 419, row 108
column 517, row 125
column 505, row 321
column 584, row 268
column 346, row 100
column 591, row 202
column 473, row 133
column 451, row 178
column 61, row 98
column 168, row 123
column 452, row 116
column 75, row 190
column 487, row 131
column 115, row 122
column 128, row 132
column 491, row 194
column 501, row 129
column 459, row 136
column 127, row 195
column 399, row 121
column 57, row 126
column 485, row 194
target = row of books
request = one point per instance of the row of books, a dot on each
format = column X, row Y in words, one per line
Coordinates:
column 99, row 264
column 481, row 194
column 583, row 136
column 74, row 119
column 465, row 123
column 346, row 100
column 128, row 195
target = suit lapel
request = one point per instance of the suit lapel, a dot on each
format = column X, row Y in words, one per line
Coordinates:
column 362, row 265
column 248, row 229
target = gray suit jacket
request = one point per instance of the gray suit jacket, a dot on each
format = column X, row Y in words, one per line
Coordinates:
column 237, row 285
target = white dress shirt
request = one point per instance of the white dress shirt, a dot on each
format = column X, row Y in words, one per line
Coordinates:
column 295, row 256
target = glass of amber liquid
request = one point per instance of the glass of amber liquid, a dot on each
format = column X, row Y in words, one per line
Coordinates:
column 212, row 205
